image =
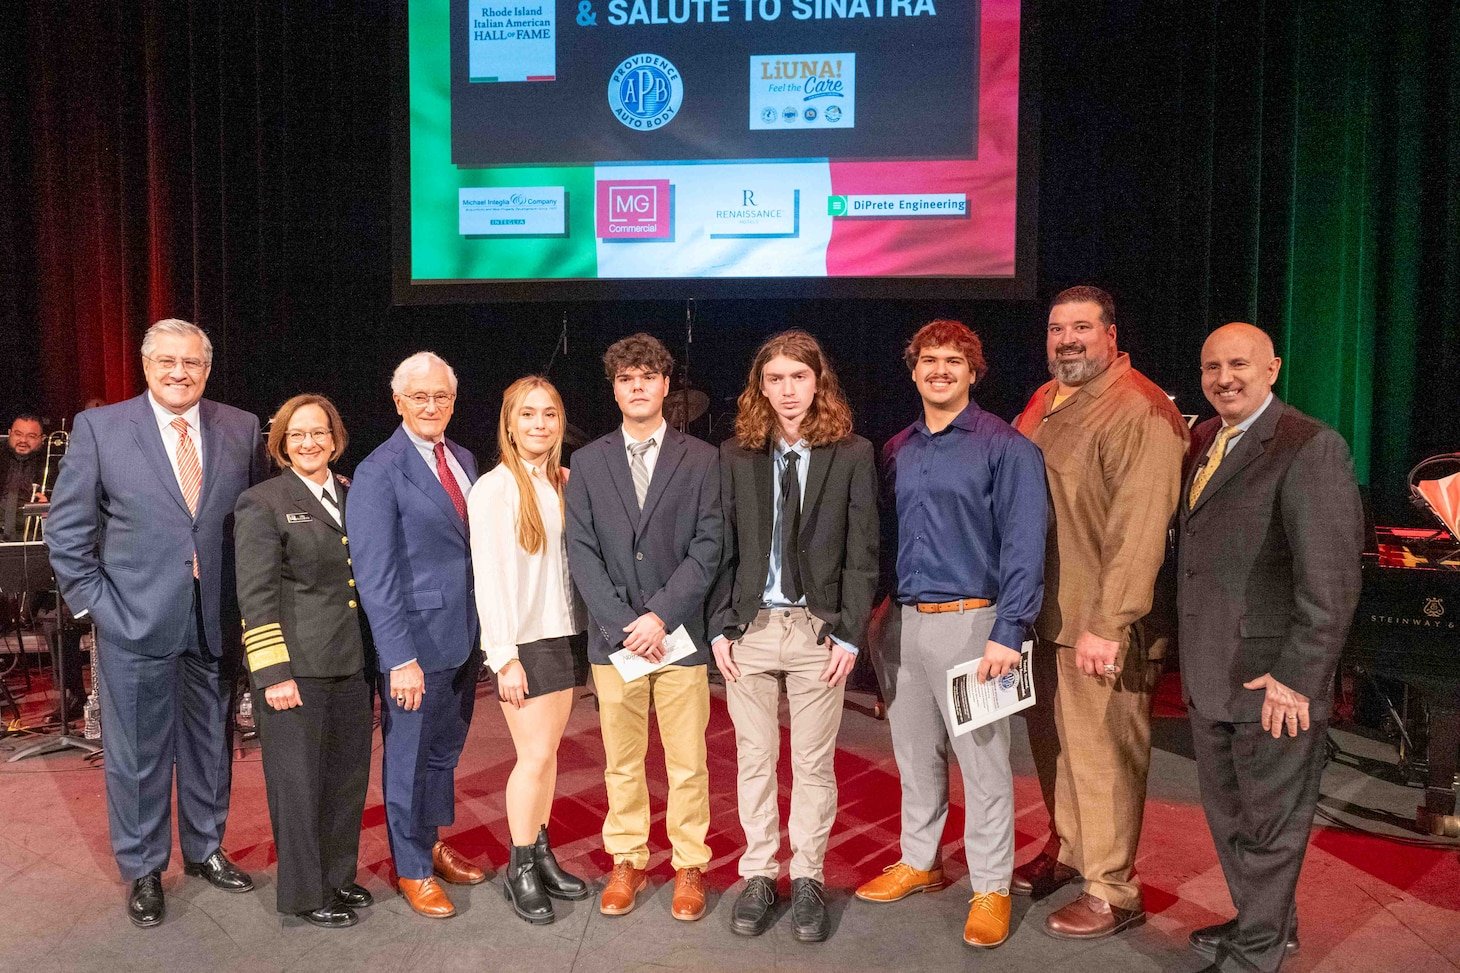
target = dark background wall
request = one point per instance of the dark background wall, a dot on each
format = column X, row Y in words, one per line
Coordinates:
column 1295, row 165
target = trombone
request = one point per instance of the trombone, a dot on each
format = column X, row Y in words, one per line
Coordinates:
column 56, row 444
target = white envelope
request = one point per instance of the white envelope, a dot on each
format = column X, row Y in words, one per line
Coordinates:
column 677, row 645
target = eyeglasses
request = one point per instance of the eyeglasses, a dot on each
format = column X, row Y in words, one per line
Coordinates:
column 421, row 399
column 167, row 364
column 296, row 437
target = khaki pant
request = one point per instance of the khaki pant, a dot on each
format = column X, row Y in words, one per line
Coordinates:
column 1091, row 740
column 781, row 642
column 681, row 698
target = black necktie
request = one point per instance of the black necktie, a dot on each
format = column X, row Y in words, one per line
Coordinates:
column 790, row 520
column 333, row 506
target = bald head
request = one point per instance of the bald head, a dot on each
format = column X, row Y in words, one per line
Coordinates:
column 1238, row 370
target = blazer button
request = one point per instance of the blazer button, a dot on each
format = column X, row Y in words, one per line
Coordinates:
column 349, row 561
column 352, row 603
column 344, row 540
column 352, row 582
column 639, row 556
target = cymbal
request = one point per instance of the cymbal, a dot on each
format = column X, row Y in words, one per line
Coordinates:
column 683, row 406
column 573, row 436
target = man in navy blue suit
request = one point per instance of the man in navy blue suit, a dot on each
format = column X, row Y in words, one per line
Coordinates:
column 140, row 536
column 408, row 537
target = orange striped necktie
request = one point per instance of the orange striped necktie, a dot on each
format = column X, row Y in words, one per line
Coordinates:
column 189, row 472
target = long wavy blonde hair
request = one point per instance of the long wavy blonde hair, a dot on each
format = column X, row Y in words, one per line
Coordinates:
column 531, row 533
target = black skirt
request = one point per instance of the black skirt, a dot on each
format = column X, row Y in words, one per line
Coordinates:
column 554, row 664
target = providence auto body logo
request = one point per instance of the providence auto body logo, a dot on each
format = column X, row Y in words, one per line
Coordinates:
column 645, row 92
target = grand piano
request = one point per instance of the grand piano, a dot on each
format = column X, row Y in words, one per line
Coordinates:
column 1407, row 628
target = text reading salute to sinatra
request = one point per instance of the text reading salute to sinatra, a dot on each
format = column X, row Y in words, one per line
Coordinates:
column 621, row 12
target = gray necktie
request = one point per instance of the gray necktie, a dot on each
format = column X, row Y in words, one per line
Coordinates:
column 639, row 469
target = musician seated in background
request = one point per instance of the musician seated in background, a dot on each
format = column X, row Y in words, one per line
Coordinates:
column 24, row 466
column 24, row 474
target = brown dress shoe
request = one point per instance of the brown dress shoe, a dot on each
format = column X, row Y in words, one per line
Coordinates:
column 1089, row 917
column 689, row 894
column 988, row 919
column 427, row 897
column 453, row 867
column 899, row 881
column 1042, row 875
column 622, row 890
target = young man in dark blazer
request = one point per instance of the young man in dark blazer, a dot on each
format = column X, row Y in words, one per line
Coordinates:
column 792, row 601
column 1271, row 528
column 644, row 535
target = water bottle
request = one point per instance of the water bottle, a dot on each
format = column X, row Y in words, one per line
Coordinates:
column 245, row 711
column 92, row 714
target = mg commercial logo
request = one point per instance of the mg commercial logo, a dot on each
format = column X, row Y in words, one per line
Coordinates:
column 634, row 209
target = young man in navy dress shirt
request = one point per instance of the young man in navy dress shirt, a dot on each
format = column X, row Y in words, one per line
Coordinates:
column 969, row 498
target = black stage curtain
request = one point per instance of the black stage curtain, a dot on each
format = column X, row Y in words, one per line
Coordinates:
column 1294, row 164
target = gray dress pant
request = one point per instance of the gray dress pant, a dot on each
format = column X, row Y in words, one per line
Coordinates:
column 918, row 652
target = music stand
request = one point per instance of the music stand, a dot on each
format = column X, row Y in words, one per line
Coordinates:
column 25, row 568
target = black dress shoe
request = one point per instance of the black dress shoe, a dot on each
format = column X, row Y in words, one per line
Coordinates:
column 220, row 873
column 1207, row 939
column 332, row 915
column 144, row 901
column 809, row 918
column 355, row 896
column 755, row 910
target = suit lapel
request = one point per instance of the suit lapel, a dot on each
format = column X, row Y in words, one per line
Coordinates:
column 304, row 495
column 762, row 467
column 815, row 480
column 669, row 456
column 618, row 471
column 416, row 470
column 149, row 441
column 211, row 445
column 1250, row 445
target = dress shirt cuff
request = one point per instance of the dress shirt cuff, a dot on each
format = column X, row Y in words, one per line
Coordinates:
column 1008, row 634
column 847, row 647
column 402, row 665
column 499, row 655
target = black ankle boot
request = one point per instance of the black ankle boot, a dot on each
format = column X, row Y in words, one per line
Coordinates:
column 556, row 882
column 523, row 888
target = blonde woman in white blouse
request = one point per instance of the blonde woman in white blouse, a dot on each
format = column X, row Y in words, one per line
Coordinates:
column 532, row 628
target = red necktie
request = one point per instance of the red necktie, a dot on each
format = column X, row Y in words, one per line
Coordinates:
column 448, row 480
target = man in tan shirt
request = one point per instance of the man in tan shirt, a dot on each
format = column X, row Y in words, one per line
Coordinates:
column 1113, row 445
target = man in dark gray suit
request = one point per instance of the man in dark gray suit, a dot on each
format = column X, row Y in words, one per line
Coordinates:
column 140, row 536
column 1271, row 528
column 644, row 535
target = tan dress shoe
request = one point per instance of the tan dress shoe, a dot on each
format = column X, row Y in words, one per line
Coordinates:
column 453, row 867
column 622, row 891
column 899, row 881
column 689, row 894
column 988, row 919
column 1089, row 917
column 427, row 897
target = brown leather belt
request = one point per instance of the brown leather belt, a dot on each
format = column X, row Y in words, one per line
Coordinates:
column 961, row 605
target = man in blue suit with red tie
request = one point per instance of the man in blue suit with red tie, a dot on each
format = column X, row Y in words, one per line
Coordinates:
column 408, row 538
column 141, row 539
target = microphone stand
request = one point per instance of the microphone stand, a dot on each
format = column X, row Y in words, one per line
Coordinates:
column 64, row 740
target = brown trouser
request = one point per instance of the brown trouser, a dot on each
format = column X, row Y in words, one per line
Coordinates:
column 1091, row 740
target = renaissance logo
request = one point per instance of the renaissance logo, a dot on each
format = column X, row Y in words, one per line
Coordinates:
column 898, row 205
column 756, row 212
column 638, row 209
column 512, row 210
column 795, row 92
column 645, row 92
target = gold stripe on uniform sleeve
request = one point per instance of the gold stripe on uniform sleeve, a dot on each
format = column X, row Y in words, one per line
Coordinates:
column 262, row 631
column 270, row 655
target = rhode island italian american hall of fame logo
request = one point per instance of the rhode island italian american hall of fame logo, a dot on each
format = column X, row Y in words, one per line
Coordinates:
column 645, row 92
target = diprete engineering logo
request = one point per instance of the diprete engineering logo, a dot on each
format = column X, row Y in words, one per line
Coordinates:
column 634, row 209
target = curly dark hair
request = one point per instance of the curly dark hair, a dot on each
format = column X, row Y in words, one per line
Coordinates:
column 947, row 333
column 829, row 419
column 637, row 351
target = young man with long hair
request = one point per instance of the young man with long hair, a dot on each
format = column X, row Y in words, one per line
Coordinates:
column 795, row 591
column 532, row 628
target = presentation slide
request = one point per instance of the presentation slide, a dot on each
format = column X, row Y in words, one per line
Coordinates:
column 633, row 140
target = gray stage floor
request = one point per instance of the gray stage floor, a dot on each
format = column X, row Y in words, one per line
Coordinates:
column 1365, row 905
